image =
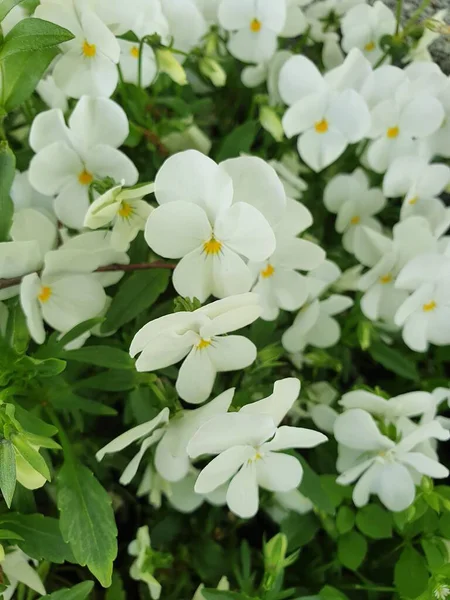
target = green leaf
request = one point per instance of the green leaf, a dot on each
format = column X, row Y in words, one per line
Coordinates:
column 116, row 591
column 49, row 367
column 410, row 573
column 212, row 594
column 33, row 424
column 110, row 381
column 394, row 361
column 331, row 593
column 33, row 35
column 239, row 140
column 79, row 330
column 87, row 520
column 435, row 552
column 7, row 471
column 299, row 529
column 135, row 296
column 6, row 534
column 78, row 592
column 61, row 396
column 345, row 519
column 7, row 172
column 352, row 549
column 6, row 6
column 375, row 522
column 444, row 525
column 30, row 455
column 21, row 73
column 100, row 356
column 41, row 537
column 312, row 488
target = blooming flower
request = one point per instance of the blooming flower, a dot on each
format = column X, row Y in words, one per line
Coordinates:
column 247, row 444
column 88, row 63
column 69, row 158
column 198, row 336
column 327, row 118
column 381, row 466
column 350, row 197
column 125, row 209
column 142, row 568
column 363, row 27
column 129, row 63
column 171, row 439
column 255, row 25
column 212, row 221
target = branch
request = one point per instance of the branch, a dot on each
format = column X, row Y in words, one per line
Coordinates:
column 6, row 283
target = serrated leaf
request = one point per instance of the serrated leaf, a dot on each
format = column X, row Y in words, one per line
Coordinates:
column 239, row 140
column 375, row 522
column 410, row 573
column 100, row 356
column 136, row 294
column 41, row 537
column 7, row 173
column 77, row 592
column 394, row 361
column 7, row 471
column 33, row 34
column 352, row 549
column 87, row 520
column 31, row 455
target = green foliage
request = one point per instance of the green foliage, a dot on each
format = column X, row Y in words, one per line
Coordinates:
column 7, row 471
column 33, row 34
column 7, row 171
column 374, row 522
column 352, row 549
column 239, row 140
column 78, row 592
column 100, row 356
column 394, row 361
column 411, row 573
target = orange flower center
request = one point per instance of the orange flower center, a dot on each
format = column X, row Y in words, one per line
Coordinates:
column 134, row 52
column 430, row 306
column 393, row 132
column 355, row 220
column 203, row 344
column 213, row 246
column 45, row 293
column 89, row 50
column 413, row 200
column 369, row 47
column 386, row 278
column 321, row 126
column 255, row 25
column 85, row 178
column 268, row 271
column 125, row 211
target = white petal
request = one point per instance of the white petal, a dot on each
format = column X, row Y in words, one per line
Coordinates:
column 133, row 466
column 222, row 468
column 367, row 485
column 295, row 437
column 422, row 116
column 425, row 465
column 325, row 332
column 432, row 430
column 319, row 150
column 231, row 320
column 78, row 76
column 54, row 167
column 395, row 487
column 183, row 497
column 48, row 127
column 304, row 114
column 294, row 253
column 299, row 77
column 349, row 114
column 98, row 121
column 193, row 276
column 29, row 290
column 72, row 203
column 277, row 405
column 230, row 274
column 104, row 161
column 196, row 377
column 231, row 353
column 29, row 224
column 336, row 304
column 235, row 14
column 164, row 350
column 278, row 472
column 242, row 495
column 356, row 429
column 290, row 289
column 253, row 47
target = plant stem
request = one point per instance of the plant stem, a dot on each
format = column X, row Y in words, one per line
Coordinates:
column 416, row 14
column 398, row 15
column 141, row 49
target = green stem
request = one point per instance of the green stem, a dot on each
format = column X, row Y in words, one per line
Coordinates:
column 381, row 60
column 416, row 14
column 141, row 49
column 398, row 15
column 372, row 588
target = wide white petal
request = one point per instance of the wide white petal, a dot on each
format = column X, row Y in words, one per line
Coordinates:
column 295, row 437
column 235, row 14
column 278, row 472
column 104, row 161
column 231, row 352
column 277, row 405
column 348, row 113
column 242, row 494
column 29, row 290
column 253, row 47
column 193, row 276
column 98, row 121
column 356, row 429
column 54, row 167
column 230, row 274
column 167, row 348
column 196, row 376
column 319, row 150
column 425, row 465
column 299, row 77
column 367, row 485
column 222, row 468
column 395, row 487
column 48, row 127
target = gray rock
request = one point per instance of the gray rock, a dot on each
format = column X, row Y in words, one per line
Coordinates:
column 440, row 49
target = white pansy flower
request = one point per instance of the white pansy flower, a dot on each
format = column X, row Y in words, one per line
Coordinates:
column 51, row 94
column 129, row 63
column 125, row 209
column 69, row 158
column 17, row 568
column 255, row 25
column 62, row 301
column 296, row 22
column 354, row 203
column 142, row 569
column 25, row 196
column 363, row 27
column 327, row 117
column 170, row 437
column 411, row 404
column 88, row 63
column 212, row 221
column 418, row 182
column 381, row 466
column 247, row 444
column 198, row 338
column 279, row 284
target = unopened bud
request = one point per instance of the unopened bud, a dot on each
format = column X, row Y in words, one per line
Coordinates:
column 168, row 64
column 271, row 122
column 211, row 69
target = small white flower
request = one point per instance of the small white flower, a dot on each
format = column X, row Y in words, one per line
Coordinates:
column 363, row 27
column 88, row 63
column 247, row 444
column 198, row 336
column 441, row 592
column 17, row 568
column 211, row 221
column 255, row 25
column 381, row 466
column 69, row 158
column 355, row 204
column 125, row 209
column 141, row 569
column 129, row 63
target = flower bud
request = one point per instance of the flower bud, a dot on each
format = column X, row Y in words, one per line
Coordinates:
column 271, row 122
column 211, row 69
column 168, row 64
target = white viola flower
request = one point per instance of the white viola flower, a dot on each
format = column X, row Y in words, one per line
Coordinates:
column 363, row 27
column 399, row 122
column 51, row 94
column 255, row 25
column 247, row 444
column 129, row 63
column 315, row 324
column 255, row 75
column 16, row 566
column 212, row 221
column 125, row 209
column 322, row 278
column 25, row 196
column 288, row 170
column 381, row 466
column 382, row 84
column 88, row 63
column 171, row 439
column 142, row 569
column 198, row 337
column 187, row 24
column 354, row 203
column 63, row 301
column 209, row 9
column 296, row 22
column 418, row 182
column 69, row 158
column 411, row 404
column 278, row 283
column 327, row 118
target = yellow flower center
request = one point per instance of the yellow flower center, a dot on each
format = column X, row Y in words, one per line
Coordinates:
column 430, row 306
column 203, row 344
column 213, row 246
column 85, row 178
column 321, row 126
column 89, row 50
column 125, row 211
column 268, row 271
column 355, row 220
column 255, row 25
column 45, row 293
column 386, row 278
column 134, row 52
column 393, row 132
column 413, row 200
column 369, row 47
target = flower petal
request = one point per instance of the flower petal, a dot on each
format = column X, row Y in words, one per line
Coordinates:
column 356, row 429
column 98, row 121
column 193, row 276
column 242, row 494
column 295, row 437
column 231, row 352
column 278, row 472
column 278, row 404
column 395, row 487
column 196, row 376
column 222, row 468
